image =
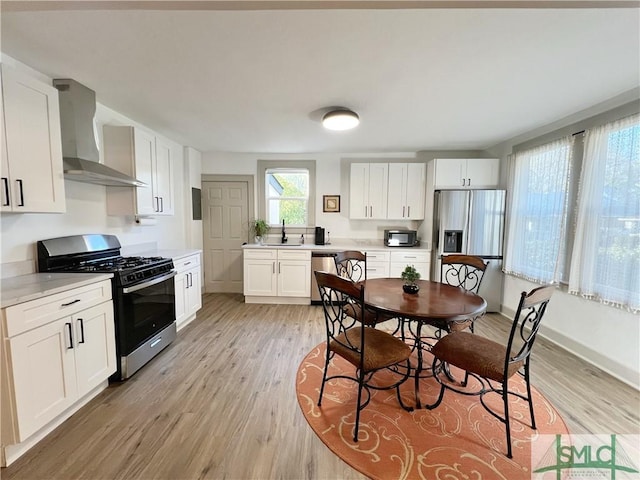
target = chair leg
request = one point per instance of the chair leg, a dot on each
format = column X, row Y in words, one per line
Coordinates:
column 360, row 385
column 442, row 387
column 529, row 398
column 324, row 376
column 505, row 399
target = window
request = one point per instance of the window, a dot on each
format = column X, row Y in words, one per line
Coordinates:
column 286, row 191
column 538, row 219
column 606, row 252
column 287, row 195
column 575, row 214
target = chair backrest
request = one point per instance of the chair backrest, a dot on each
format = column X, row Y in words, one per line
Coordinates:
column 526, row 323
column 336, row 293
column 464, row 271
column 351, row 264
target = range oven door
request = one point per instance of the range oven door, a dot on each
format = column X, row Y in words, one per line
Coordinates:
column 144, row 310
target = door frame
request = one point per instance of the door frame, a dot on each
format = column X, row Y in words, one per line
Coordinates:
column 249, row 180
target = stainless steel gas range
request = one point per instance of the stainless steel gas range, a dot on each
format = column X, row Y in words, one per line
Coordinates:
column 143, row 293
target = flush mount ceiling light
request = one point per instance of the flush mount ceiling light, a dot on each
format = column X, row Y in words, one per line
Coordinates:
column 340, row 119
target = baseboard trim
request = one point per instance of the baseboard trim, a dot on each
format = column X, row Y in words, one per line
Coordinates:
column 595, row 358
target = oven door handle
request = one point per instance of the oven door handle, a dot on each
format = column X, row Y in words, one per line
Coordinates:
column 153, row 281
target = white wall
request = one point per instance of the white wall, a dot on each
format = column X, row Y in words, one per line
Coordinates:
column 86, row 209
column 606, row 336
column 332, row 178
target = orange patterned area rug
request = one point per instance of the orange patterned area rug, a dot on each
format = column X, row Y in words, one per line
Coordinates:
column 457, row 440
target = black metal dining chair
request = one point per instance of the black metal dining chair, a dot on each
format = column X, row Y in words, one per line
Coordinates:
column 352, row 264
column 369, row 350
column 464, row 271
column 492, row 363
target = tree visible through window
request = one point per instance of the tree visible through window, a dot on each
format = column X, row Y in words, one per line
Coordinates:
column 287, row 196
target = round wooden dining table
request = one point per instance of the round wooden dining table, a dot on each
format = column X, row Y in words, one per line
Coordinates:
column 436, row 304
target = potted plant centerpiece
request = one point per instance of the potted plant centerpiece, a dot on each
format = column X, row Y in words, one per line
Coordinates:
column 260, row 229
column 410, row 276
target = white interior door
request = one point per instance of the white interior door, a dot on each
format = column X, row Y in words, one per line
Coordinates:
column 225, row 207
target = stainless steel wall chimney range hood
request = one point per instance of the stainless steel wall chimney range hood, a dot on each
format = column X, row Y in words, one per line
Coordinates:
column 79, row 141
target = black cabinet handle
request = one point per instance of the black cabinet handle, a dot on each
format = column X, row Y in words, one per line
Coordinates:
column 5, row 182
column 81, row 330
column 21, row 204
column 70, row 303
column 70, row 328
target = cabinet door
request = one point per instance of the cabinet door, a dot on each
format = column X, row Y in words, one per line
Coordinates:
column 397, row 194
column 294, row 278
column 145, row 154
column 483, row 172
column 95, row 346
column 44, row 374
column 378, row 186
column 260, row 278
column 194, row 292
column 181, row 282
column 33, row 144
column 359, row 191
column 416, row 179
column 163, row 177
column 449, row 172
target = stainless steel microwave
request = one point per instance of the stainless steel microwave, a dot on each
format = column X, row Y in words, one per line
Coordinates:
column 401, row 238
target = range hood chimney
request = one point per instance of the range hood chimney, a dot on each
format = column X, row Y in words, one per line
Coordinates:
column 79, row 140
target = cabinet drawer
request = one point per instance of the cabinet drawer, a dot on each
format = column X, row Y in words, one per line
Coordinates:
column 396, row 269
column 26, row 316
column 377, row 256
column 294, row 254
column 377, row 269
column 185, row 263
column 260, row 253
column 409, row 257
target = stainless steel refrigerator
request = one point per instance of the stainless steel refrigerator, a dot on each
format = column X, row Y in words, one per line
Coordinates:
column 471, row 222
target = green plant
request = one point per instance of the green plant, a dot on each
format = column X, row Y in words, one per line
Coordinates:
column 410, row 275
column 260, row 228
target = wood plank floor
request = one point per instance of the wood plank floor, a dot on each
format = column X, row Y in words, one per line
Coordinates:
column 220, row 403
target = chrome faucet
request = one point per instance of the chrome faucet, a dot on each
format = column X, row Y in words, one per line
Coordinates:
column 284, row 234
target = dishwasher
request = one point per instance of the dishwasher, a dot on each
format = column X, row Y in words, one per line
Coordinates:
column 323, row 261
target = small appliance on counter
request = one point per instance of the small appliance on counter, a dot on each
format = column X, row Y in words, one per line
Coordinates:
column 319, row 236
column 401, row 238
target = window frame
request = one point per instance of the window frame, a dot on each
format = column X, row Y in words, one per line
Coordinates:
column 267, row 165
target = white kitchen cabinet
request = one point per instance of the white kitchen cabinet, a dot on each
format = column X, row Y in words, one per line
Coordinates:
column 368, row 190
column 420, row 259
column 188, row 288
column 277, row 275
column 377, row 263
column 31, row 166
column 406, row 191
column 147, row 157
column 462, row 173
column 59, row 348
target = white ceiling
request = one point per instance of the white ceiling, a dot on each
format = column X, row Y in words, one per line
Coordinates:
column 258, row 81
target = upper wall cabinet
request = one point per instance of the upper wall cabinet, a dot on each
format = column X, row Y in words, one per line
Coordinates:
column 406, row 191
column 368, row 190
column 462, row 173
column 140, row 154
column 31, row 167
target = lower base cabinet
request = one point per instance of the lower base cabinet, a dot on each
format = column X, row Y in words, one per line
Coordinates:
column 188, row 286
column 277, row 276
column 420, row 260
column 53, row 358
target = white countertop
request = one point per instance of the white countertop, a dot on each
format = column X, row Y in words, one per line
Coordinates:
column 24, row 288
column 337, row 246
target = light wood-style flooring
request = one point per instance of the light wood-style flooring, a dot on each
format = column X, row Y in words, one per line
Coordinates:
column 220, row 403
